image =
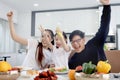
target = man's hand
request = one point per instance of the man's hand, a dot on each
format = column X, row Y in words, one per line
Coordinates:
column 105, row 2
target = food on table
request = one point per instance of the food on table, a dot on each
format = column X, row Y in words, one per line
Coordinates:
column 46, row 75
column 78, row 69
column 32, row 72
column 88, row 68
column 103, row 67
column 91, row 71
column 16, row 69
column 59, row 69
column 71, row 74
column 4, row 66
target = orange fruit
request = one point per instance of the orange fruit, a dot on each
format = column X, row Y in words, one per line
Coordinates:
column 4, row 66
column 71, row 74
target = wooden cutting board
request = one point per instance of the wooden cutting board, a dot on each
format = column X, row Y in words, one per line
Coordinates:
column 9, row 77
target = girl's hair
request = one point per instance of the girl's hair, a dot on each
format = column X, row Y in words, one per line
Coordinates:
column 39, row 54
column 39, row 50
column 51, row 34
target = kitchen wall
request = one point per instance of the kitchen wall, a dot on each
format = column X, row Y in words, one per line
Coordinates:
column 24, row 25
column 4, row 9
column 115, row 18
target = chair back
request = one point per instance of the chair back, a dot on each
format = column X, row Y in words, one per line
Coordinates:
column 113, row 57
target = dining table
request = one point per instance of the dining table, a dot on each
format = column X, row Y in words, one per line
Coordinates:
column 113, row 76
column 19, row 77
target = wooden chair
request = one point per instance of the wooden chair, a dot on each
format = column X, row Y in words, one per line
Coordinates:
column 113, row 57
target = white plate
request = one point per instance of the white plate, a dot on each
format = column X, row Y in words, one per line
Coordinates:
column 61, row 73
column 62, row 77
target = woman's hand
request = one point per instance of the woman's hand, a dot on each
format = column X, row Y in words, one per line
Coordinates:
column 41, row 29
column 10, row 15
column 43, row 32
column 14, row 36
column 105, row 2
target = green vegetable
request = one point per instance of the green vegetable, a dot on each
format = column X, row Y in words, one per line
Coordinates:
column 64, row 69
column 88, row 68
column 52, row 69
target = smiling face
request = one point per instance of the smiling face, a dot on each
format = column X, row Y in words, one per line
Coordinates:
column 48, row 40
column 57, row 41
column 78, row 43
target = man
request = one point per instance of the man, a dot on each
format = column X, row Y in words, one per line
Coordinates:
column 93, row 50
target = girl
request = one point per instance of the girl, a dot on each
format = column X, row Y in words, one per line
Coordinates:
column 61, row 50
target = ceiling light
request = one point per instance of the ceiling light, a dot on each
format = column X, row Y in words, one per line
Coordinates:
column 35, row 4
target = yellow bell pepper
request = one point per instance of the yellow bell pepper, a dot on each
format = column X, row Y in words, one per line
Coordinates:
column 103, row 67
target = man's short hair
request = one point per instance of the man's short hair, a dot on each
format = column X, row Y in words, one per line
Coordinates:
column 76, row 32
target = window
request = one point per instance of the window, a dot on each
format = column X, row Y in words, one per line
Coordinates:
column 84, row 19
column 6, row 42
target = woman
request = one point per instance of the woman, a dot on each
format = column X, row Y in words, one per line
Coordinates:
column 39, row 53
column 93, row 50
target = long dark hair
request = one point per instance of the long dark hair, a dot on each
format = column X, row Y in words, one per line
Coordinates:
column 39, row 54
column 39, row 50
column 51, row 34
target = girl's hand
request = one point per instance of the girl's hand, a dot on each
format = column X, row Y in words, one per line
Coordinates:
column 59, row 32
column 58, row 29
